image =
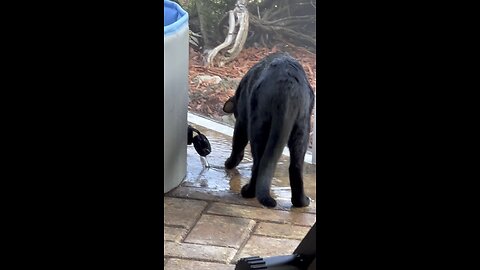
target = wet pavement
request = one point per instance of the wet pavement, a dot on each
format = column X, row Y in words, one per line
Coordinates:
column 208, row 225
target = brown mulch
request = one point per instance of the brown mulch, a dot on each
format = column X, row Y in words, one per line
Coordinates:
column 207, row 98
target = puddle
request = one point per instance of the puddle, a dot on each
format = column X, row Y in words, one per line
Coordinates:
column 218, row 179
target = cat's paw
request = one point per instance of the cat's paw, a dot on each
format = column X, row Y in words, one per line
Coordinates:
column 248, row 192
column 302, row 202
column 267, row 201
column 231, row 163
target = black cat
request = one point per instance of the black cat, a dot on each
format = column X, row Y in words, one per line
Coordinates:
column 272, row 106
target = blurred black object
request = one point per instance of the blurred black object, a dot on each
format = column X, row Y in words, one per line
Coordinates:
column 303, row 258
column 200, row 142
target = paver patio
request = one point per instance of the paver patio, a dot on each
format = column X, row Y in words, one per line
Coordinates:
column 211, row 228
column 200, row 235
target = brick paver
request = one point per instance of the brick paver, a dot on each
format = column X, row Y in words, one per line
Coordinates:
column 264, row 214
column 173, row 234
column 221, row 231
column 198, row 252
column 288, row 231
column 267, row 246
column 182, row 212
column 177, row 264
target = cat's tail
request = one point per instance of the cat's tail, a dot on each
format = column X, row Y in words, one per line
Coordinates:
column 281, row 127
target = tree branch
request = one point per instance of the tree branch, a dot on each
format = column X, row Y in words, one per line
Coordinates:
column 283, row 30
column 289, row 20
column 228, row 39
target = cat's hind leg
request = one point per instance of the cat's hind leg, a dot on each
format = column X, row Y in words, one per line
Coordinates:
column 259, row 135
column 298, row 144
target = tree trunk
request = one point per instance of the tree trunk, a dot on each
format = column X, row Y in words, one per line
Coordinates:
column 241, row 13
